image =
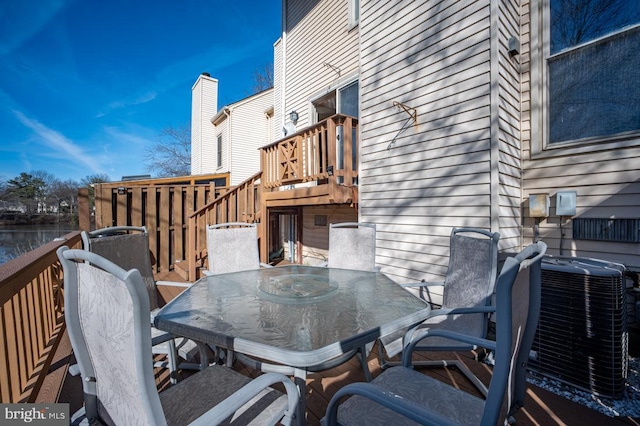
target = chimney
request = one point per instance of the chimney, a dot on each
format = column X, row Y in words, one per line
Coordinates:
column 204, row 105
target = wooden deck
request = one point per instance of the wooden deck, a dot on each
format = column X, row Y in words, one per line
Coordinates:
column 541, row 407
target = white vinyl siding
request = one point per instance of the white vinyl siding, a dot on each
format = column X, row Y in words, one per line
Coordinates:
column 508, row 161
column 607, row 181
column 317, row 34
column 434, row 57
column 249, row 132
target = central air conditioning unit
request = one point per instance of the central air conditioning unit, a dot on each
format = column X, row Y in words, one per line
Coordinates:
column 582, row 332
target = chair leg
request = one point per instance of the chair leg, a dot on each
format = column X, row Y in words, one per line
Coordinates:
column 173, row 361
column 362, row 357
column 230, row 358
column 461, row 366
column 386, row 362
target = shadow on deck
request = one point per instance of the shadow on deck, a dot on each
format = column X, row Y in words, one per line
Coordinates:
column 541, row 407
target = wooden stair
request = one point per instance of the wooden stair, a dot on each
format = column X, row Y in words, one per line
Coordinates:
column 182, row 268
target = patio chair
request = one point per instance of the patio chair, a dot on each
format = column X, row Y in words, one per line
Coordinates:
column 128, row 247
column 466, row 297
column 352, row 245
column 232, row 247
column 106, row 312
column 402, row 395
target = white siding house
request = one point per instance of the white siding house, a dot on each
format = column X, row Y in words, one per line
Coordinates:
column 243, row 127
column 483, row 85
column 228, row 140
column 319, row 56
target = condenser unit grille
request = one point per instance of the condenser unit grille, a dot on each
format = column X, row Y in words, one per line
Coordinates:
column 582, row 332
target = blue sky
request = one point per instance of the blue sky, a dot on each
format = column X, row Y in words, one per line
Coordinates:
column 87, row 85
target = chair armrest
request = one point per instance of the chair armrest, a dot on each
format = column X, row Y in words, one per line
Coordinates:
column 74, row 370
column 387, row 399
column 420, row 335
column 243, row 395
column 161, row 338
column 174, row 284
column 456, row 311
column 422, row 284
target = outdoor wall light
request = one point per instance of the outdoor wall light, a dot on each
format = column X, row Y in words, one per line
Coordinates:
column 514, row 46
column 293, row 115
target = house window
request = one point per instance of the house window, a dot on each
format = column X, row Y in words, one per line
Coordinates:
column 354, row 12
column 219, row 151
column 343, row 100
column 591, row 70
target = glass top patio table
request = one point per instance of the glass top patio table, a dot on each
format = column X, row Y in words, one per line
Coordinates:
column 299, row 316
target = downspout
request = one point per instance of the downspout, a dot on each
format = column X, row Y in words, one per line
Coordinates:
column 284, row 65
column 227, row 112
column 494, row 116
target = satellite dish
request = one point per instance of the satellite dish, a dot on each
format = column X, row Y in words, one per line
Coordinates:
column 289, row 129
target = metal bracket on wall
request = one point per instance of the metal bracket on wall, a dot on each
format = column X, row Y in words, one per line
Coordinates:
column 413, row 118
column 333, row 67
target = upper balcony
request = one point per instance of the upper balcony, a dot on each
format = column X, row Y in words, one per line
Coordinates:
column 317, row 165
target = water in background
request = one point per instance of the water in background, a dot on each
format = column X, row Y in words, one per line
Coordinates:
column 17, row 240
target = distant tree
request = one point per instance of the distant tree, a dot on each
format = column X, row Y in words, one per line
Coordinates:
column 46, row 198
column 262, row 78
column 92, row 179
column 97, row 178
column 27, row 189
column 170, row 154
column 66, row 192
column 89, row 181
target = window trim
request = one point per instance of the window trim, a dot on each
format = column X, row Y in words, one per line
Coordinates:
column 219, row 151
column 540, row 55
column 353, row 14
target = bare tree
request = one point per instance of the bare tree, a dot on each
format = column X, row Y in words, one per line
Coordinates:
column 577, row 21
column 170, row 155
column 89, row 181
column 262, row 78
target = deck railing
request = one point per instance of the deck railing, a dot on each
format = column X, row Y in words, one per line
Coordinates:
column 240, row 204
column 164, row 208
column 324, row 151
column 31, row 319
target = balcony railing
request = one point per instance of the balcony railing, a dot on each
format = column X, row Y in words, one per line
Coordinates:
column 31, row 319
column 327, row 151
